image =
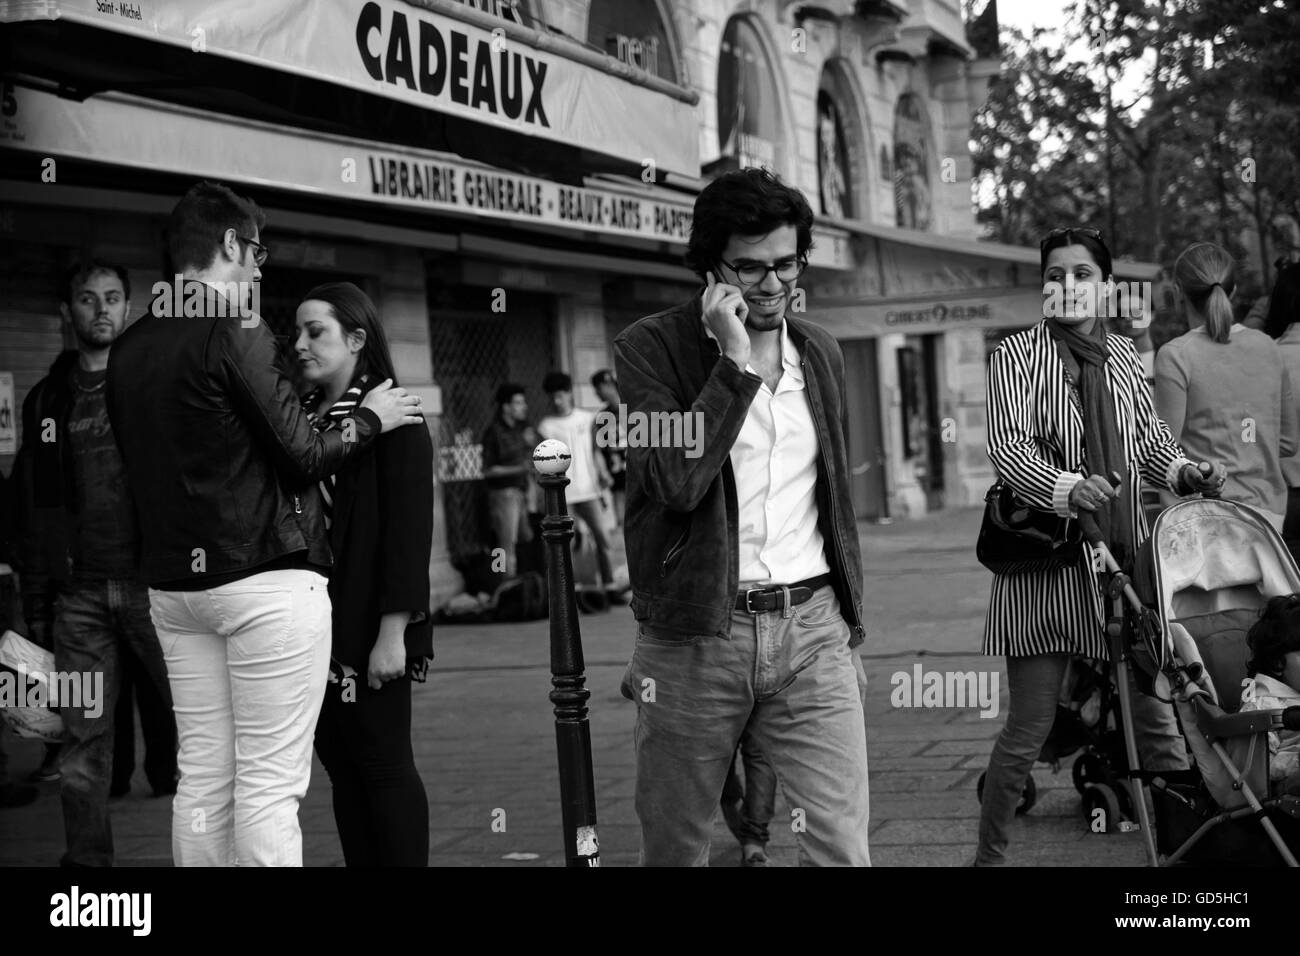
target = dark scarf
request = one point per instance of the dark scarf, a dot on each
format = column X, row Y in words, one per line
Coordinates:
column 1085, row 357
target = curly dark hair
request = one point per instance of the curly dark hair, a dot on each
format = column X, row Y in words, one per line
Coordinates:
column 745, row 202
column 1274, row 635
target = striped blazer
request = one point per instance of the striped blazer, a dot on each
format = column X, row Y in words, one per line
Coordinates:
column 1035, row 441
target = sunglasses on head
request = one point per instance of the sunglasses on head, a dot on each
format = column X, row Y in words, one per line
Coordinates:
column 1070, row 230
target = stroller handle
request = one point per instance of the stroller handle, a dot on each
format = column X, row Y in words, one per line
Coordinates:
column 1088, row 520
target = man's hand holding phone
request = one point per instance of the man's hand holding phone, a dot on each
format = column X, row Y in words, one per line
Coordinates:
column 724, row 313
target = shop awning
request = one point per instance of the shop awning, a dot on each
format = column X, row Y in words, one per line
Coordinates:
column 938, row 242
column 431, row 74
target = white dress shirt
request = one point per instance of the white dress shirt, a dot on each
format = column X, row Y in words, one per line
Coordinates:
column 775, row 464
column 577, row 430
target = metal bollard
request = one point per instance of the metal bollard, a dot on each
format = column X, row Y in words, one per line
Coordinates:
column 572, row 732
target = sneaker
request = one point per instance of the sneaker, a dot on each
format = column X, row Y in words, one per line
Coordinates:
column 751, row 854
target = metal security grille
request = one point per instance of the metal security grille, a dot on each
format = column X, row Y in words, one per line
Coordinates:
column 474, row 351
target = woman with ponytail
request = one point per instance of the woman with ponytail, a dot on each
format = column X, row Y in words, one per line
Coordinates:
column 1223, row 389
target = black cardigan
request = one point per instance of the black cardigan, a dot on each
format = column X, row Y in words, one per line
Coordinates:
column 382, row 536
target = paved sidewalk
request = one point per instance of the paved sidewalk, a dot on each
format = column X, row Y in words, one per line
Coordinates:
column 486, row 747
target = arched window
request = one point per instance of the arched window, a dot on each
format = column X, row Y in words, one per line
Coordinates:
column 749, row 116
column 911, row 164
column 833, row 174
column 633, row 31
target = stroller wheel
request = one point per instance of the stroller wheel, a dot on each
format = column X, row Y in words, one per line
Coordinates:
column 1101, row 808
column 1028, row 796
column 1088, row 768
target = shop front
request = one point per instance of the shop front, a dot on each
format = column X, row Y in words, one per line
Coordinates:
column 483, row 271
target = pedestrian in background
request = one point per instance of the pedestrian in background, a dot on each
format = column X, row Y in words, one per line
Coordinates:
column 11, row 794
column 1283, row 325
column 614, row 453
column 749, row 804
column 508, row 443
column 1224, row 390
column 378, row 510
column 588, row 478
column 81, row 583
column 1068, row 406
column 222, row 463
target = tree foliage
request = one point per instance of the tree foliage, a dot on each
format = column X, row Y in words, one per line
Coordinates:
column 1207, row 147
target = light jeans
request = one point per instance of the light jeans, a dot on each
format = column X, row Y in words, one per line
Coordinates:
column 508, row 511
column 247, row 664
column 796, row 684
column 1035, row 687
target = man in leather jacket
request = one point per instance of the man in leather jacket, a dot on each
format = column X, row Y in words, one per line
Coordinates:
column 82, row 594
column 743, row 550
column 223, row 467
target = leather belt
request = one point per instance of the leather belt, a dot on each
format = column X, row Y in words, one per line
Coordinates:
column 773, row 596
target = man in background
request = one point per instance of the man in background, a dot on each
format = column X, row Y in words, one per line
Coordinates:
column 81, row 587
column 508, row 444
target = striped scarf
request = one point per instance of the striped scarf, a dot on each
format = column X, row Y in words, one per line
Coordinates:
column 332, row 418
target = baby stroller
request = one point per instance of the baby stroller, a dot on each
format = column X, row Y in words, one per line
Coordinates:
column 1204, row 574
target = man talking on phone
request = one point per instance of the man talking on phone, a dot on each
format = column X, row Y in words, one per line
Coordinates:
column 746, row 572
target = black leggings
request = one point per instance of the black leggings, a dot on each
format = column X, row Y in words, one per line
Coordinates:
column 379, row 802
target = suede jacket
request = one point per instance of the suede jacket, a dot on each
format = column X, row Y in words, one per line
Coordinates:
column 681, row 523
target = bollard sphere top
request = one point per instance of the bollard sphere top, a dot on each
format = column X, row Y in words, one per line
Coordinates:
column 552, row 457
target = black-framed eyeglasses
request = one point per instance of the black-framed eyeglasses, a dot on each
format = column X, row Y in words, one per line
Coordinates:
column 753, row 273
column 259, row 253
column 1070, row 230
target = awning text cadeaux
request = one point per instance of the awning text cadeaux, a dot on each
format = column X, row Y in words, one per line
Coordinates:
column 421, row 57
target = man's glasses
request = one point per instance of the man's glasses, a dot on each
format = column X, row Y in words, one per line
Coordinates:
column 1087, row 231
column 259, row 253
column 752, row 273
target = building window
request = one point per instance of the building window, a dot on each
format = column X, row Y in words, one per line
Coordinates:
column 832, row 160
column 911, row 164
column 632, row 31
column 749, row 120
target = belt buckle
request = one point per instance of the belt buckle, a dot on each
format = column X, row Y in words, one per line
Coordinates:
column 748, row 608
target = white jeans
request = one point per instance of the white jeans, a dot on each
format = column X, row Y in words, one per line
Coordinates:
column 247, row 663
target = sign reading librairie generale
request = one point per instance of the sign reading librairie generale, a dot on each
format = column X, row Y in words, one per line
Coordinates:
column 126, row 131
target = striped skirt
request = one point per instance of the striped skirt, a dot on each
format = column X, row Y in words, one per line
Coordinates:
column 1052, row 612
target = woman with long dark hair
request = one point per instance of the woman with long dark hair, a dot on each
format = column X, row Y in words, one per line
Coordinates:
column 379, row 515
column 1223, row 389
column 1068, row 408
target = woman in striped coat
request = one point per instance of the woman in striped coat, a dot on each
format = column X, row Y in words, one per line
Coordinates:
column 1068, row 407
